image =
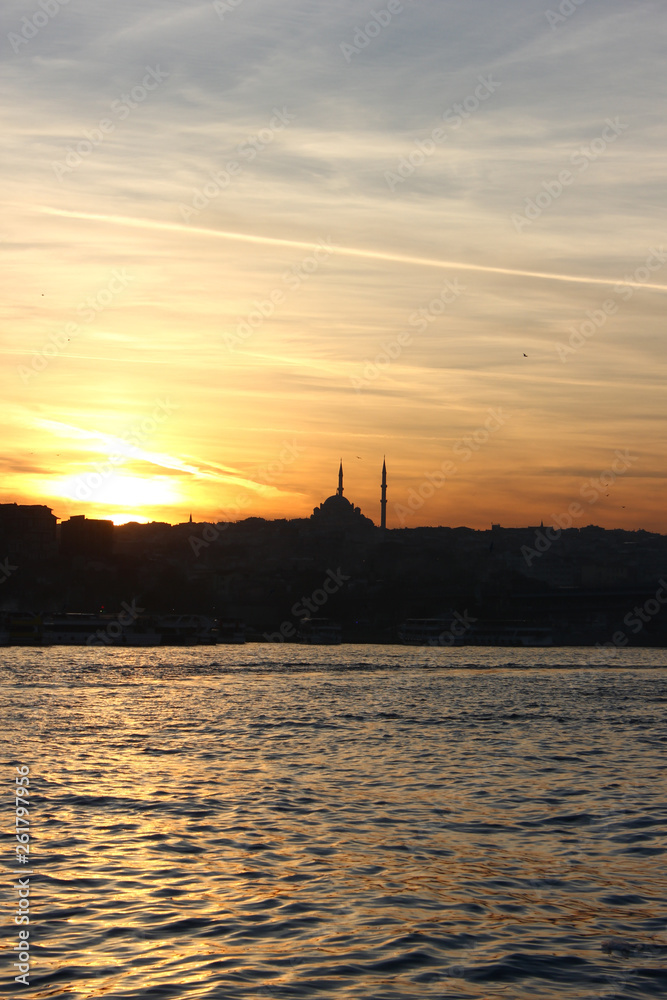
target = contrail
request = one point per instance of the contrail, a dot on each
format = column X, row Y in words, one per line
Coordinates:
column 174, row 227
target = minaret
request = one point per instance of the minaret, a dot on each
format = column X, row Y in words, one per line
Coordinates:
column 383, row 501
column 339, row 491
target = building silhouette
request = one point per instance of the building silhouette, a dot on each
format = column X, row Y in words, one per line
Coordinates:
column 336, row 512
column 87, row 537
column 27, row 531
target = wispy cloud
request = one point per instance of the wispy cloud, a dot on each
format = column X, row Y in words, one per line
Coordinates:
column 109, row 445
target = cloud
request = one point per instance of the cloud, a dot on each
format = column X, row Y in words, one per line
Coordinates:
column 107, row 444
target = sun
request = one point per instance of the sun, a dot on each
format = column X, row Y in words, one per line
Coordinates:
column 128, row 493
column 119, row 519
column 134, row 491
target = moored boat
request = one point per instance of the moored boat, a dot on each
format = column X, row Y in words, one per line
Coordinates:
column 447, row 632
column 187, row 630
column 319, row 632
column 425, row 632
column 72, row 629
column 80, row 629
column 25, row 629
column 231, row 631
column 507, row 634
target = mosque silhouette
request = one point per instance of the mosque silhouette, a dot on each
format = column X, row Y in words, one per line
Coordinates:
column 337, row 510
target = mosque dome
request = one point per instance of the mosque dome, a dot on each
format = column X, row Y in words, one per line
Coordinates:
column 336, row 505
column 338, row 511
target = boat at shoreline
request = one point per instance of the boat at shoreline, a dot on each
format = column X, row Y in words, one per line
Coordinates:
column 23, row 628
column 450, row 632
column 86, row 629
column 231, row 631
column 187, row 630
column 424, row 632
column 81, row 629
column 98, row 630
column 319, row 632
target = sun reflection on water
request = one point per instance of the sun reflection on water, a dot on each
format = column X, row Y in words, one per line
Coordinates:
column 212, row 833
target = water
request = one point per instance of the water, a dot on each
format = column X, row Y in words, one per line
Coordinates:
column 351, row 822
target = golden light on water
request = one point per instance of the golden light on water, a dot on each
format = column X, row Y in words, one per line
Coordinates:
column 301, row 824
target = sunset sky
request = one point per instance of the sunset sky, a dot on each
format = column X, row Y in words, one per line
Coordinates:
column 244, row 239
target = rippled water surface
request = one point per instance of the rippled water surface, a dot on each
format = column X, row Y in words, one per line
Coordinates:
column 356, row 822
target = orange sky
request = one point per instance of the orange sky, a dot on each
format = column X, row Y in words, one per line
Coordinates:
column 367, row 283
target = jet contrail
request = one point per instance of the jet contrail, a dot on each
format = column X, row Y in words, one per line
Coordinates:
column 174, row 227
